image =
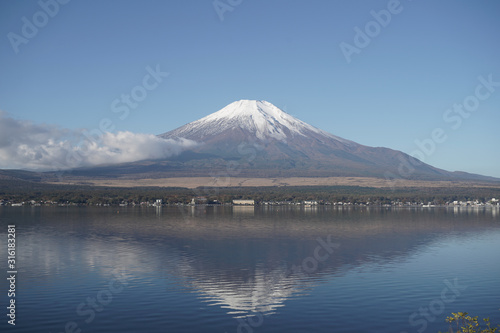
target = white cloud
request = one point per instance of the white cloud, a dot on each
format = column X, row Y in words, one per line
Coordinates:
column 25, row 145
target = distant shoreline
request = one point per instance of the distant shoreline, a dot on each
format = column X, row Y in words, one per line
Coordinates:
column 335, row 191
column 344, row 205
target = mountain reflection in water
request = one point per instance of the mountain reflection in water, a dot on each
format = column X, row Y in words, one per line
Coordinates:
column 243, row 260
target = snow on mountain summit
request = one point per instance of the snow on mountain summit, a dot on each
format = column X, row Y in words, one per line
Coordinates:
column 261, row 118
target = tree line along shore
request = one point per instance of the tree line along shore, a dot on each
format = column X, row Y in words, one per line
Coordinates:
column 30, row 193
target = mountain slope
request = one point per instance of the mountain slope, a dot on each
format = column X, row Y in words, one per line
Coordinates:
column 265, row 141
column 256, row 139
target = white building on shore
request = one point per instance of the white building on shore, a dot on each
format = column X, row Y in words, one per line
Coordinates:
column 244, row 202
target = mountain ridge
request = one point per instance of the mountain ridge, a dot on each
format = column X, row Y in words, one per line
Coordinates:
column 252, row 138
column 281, row 144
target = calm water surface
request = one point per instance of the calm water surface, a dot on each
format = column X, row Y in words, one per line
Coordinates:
column 242, row 269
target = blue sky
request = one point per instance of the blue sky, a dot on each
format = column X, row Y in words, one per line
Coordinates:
column 395, row 90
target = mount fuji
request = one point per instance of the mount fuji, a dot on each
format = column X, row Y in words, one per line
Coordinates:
column 253, row 138
column 265, row 141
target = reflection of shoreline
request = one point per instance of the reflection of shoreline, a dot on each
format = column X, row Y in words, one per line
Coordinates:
column 356, row 222
column 243, row 210
column 267, row 222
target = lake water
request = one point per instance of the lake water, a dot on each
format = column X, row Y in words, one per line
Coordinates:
column 246, row 269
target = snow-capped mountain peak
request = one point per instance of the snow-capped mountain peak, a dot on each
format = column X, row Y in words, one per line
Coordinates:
column 261, row 118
